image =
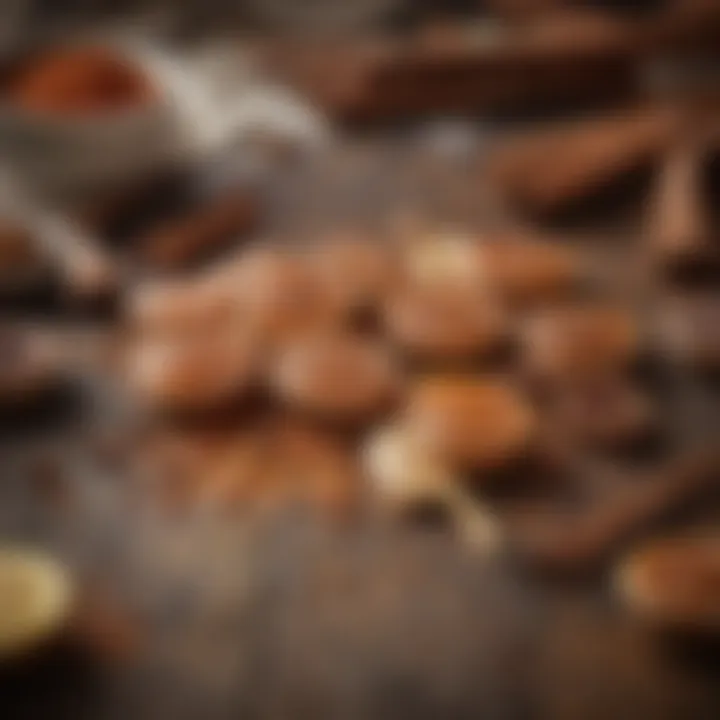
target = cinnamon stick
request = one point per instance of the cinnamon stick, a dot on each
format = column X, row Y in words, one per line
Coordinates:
column 550, row 169
column 484, row 66
column 679, row 223
column 576, row 542
column 182, row 241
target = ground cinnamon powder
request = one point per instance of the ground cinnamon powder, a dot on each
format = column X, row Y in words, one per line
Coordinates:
column 80, row 80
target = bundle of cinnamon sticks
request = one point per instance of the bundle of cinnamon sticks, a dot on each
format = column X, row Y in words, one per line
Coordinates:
column 529, row 55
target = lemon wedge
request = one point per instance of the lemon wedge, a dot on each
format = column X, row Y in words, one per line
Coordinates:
column 35, row 599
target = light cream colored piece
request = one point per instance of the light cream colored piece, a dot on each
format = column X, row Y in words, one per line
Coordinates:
column 36, row 597
column 444, row 258
column 404, row 475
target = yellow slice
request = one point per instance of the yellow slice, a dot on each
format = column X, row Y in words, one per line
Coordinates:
column 35, row 599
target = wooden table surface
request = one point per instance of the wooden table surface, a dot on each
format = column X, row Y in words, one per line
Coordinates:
column 284, row 621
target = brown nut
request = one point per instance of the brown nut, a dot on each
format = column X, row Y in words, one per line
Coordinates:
column 441, row 259
column 282, row 294
column 356, row 271
column 444, row 322
column 193, row 373
column 337, row 376
column 674, row 582
column 580, row 342
column 525, row 271
column 169, row 307
column 480, row 424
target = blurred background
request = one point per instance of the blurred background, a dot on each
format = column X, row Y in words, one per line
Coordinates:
column 359, row 359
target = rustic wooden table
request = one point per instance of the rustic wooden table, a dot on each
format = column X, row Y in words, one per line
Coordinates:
column 235, row 620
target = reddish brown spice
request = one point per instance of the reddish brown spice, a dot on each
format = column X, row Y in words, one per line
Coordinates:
column 79, row 80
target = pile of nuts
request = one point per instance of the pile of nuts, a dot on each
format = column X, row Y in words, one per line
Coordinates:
column 452, row 371
column 348, row 334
